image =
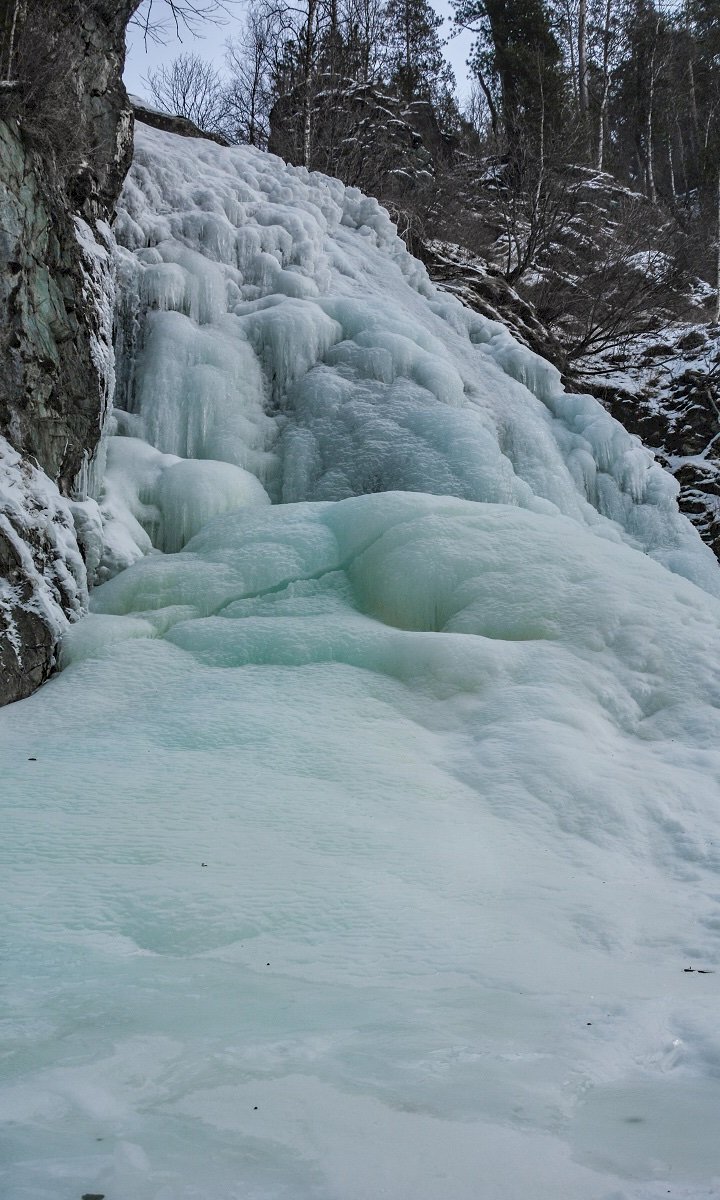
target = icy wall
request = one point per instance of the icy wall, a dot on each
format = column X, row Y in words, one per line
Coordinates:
column 367, row 843
column 274, row 321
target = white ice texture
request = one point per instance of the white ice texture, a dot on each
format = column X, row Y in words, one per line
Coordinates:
column 364, row 845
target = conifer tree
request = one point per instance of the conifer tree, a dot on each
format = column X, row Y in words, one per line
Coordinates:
column 517, row 60
column 416, row 64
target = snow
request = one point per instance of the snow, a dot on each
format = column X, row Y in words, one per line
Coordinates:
column 139, row 102
column 364, row 843
column 98, row 271
column 37, row 523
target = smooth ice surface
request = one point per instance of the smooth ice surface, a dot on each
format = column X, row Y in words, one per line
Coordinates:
column 363, row 844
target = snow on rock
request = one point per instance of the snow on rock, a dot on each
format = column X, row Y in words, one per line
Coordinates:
column 42, row 573
column 367, row 843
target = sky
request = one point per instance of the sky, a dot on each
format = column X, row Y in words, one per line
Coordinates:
column 140, row 58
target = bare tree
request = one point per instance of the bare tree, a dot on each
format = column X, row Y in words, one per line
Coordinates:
column 251, row 61
column 477, row 111
column 364, row 22
column 606, row 56
column 583, row 58
column 717, row 315
column 159, row 20
column 191, row 87
column 306, row 24
column 617, row 272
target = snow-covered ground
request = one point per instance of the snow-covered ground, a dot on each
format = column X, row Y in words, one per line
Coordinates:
column 366, row 843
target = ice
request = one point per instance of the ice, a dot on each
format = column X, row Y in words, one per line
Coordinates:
column 453, row 772
column 272, row 319
column 365, row 843
column 155, row 500
column 97, row 267
column 191, row 492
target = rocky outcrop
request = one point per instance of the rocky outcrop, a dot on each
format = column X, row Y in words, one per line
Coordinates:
column 483, row 288
column 55, row 372
column 675, row 410
column 370, row 139
column 65, row 145
column 172, row 123
column 42, row 573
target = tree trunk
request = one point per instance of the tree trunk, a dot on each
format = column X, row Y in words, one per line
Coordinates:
column 490, row 103
column 681, row 149
column 408, row 52
column 308, row 63
column 18, row 5
column 717, row 273
column 605, row 94
column 571, row 49
column 649, row 151
column 693, row 96
column 671, row 168
column 582, row 58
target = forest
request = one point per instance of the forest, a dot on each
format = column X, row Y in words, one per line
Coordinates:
column 566, row 96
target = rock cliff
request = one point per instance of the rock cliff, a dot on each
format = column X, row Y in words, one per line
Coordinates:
column 65, row 145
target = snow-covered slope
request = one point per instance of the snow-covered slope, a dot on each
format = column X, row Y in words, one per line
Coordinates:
column 365, row 843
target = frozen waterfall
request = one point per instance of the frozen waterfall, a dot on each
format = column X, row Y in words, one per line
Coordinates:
column 273, row 320
column 364, row 844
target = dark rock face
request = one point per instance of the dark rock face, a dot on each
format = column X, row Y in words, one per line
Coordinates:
column 65, row 146
column 173, row 124
column 680, row 422
column 51, row 384
column 68, row 95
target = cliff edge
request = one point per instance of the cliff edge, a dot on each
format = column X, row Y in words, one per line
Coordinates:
column 65, row 146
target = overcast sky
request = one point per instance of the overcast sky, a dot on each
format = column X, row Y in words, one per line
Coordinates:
column 210, row 46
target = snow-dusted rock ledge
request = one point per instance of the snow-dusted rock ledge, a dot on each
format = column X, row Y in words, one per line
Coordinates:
column 42, row 574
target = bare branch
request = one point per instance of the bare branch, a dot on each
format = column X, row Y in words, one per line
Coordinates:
column 159, row 20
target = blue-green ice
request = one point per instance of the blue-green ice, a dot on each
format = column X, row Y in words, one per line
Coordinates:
column 362, row 843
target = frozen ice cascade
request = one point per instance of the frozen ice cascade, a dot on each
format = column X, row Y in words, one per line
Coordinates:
column 366, row 841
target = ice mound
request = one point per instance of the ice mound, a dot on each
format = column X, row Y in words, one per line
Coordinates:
column 272, row 319
column 364, row 852
column 159, row 501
